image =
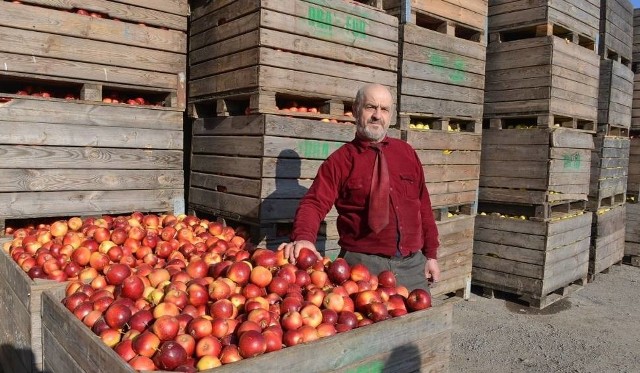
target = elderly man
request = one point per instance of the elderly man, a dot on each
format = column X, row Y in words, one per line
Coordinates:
column 378, row 187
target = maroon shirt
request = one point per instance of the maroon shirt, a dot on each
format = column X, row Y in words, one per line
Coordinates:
column 344, row 179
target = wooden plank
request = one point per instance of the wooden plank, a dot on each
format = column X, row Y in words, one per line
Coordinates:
column 243, row 167
column 44, row 180
column 39, row 204
column 434, row 41
column 54, row 157
column 90, row 135
column 231, row 184
column 81, row 113
column 125, row 12
column 505, row 281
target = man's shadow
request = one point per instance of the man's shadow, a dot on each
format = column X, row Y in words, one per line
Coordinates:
column 285, row 185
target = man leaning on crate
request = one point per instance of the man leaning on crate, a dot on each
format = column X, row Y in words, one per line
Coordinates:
column 378, row 187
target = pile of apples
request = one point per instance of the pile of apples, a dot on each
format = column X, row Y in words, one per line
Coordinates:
column 44, row 93
column 193, row 296
column 115, row 98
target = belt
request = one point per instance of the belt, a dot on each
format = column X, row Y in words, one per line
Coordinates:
column 394, row 257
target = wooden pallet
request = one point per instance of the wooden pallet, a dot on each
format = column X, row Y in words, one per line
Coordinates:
column 539, row 261
column 545, row 212
column 465, row 20
column 544, row 78
column 633, row 260
column 540, row 30
column 535, row 166
column 69, row 346
column 607, row 239
column 535, row 302
column 547, row 18
column 68, row 158
column 592, row 276
column 616, row 31
column 290, row 47
column 540, row 121
column 267, row 102
column 42, row 40
column 408, row 122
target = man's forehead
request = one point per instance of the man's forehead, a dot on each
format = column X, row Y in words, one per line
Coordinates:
column 378, row 96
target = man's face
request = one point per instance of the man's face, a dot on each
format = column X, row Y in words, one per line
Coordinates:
column 374, row 113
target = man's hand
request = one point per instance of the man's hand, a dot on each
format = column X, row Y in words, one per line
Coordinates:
column 432, row 271
column 292, row 249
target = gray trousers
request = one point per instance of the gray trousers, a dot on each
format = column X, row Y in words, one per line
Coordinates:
column 409, row 271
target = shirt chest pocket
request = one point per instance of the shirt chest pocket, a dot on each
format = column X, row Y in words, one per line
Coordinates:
column 409, row 186
column 356, row 190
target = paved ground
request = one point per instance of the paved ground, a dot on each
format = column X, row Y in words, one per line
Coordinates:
column 596, row 329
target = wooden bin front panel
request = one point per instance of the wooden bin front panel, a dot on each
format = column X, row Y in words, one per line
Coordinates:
column 615, row 94
column 530, row 258
column 535, row 166
column 543, row 75
column 616, row 30
column 609, row 168
column 62, row 158
column 636, row 35
column 20, row 324
column 632, row 229
column 451, row 163
column 635, row 105
column 608, row 238
column 440, row 75
column 258, row 167
column 455, row 254
column 41, row 39
column 472, row 13
column 581, row 16
column 633, row 180
column 296, row 47
column 417, row 342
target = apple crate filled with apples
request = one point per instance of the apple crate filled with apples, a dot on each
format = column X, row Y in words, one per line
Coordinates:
column 297, row 57
column 91, row 105
column 199, row 300
column 43, row 256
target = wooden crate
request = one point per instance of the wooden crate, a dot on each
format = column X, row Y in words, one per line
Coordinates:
column 539, row 261
column 44, row 42
column 633, row 178
column 254, row 56
column 636, row 37
column 455, row 255
column 615, row 98
column 609, row 169
column 468, row 16
column 616, row 31
column 64, row 158
column 535, row 166
column 21, row 321
column 574, row 19
column 544, row 79
column 632, row 233
column 635, row 104
column 256, row 168
column 607, row 239
column 440, row 74
column 451, row 163
column 417, row 342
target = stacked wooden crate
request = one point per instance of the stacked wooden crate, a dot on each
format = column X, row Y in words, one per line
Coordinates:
column 632, row 236
column 610, row 156
column 67, row 147
column 440, row 96
column 541, row 103
column 271, row 87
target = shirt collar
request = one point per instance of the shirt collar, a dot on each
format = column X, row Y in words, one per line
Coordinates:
column 362, row 144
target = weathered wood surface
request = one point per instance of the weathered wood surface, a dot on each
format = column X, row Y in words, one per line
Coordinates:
column 615, row 94
column 472, row 13
column 616, row 29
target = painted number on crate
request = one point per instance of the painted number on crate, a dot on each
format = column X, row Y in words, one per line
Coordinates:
column 455, row 69
column 317, row 149
column 321, row 19
column 372, row 367
column 358, row 27
column 571, row 161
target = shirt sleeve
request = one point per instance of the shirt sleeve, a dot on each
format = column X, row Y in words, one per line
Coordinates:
column 429, row 227
column 317, row 202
